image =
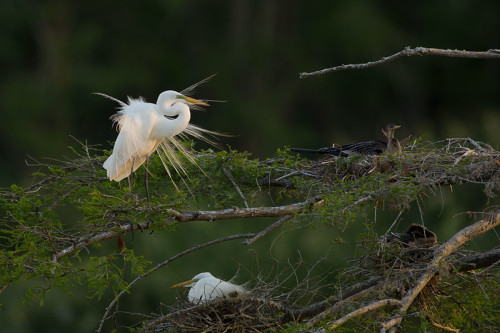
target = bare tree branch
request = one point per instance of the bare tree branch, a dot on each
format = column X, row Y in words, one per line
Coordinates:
column 370, row 307
column 239, row 213
column 477, row 261
column 408, row 52
column 198, row 215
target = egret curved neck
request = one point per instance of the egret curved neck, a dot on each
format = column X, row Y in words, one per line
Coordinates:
column 170, row 127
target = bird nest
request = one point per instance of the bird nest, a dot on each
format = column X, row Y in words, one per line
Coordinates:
column 427, row 161
column 221, row 315
column 400, row 266
column 271, row 302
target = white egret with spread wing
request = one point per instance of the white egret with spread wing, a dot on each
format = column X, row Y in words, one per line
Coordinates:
column 205, row 287
column 146, row 127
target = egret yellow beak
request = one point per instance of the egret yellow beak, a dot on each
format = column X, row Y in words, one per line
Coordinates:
column 194, row 101
column 182, row 284
column 396, row 126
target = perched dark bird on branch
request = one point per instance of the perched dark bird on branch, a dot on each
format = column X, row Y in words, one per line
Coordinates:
column 362, row 148
column 416, row 236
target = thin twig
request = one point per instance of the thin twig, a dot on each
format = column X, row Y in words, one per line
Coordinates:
column 268, row 229
column 230, row 177
column 166, row 262
column 407, row 52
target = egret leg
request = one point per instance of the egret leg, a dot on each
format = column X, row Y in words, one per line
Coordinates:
column 146, row 179
column 130, row 178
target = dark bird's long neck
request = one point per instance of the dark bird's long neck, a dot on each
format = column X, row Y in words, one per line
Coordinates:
column 313, row 151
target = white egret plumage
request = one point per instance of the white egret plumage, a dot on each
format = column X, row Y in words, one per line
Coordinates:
column 146, row 127
column 205, row 287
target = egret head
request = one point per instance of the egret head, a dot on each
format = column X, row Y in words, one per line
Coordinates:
column 168, row 98
column 193, row 281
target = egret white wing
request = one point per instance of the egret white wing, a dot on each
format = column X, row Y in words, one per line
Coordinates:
column 132, row 147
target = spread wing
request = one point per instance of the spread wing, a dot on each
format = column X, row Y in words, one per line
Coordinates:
column 134, row 122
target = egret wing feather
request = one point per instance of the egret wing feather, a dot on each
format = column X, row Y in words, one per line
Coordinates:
column 132, row 146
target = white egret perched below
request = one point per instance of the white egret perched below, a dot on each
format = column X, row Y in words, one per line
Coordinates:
column 146, row 127
column 205, row 287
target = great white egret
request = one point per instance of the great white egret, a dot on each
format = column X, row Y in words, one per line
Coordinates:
column 362, row 148
column 205, row 287
column 415, row 236
column 146, row 127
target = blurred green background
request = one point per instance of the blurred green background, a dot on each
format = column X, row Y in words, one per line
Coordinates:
column 54, row 54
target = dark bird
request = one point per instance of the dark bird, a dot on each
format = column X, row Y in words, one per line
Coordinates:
column 416, row 236
column 362, row 148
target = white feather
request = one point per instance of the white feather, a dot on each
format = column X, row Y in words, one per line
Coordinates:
column 144, row 128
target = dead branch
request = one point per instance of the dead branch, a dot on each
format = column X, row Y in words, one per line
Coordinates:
column 477, row 261
column 371, row 307
column 214, row 215
column 240, row 213
column 408, row 52
column 440, row 254
column 88, row 240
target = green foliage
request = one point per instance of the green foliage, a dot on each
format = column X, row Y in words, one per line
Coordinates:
column 58, row 233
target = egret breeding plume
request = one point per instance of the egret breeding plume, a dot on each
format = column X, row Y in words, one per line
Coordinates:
column 362, row 148
column 205, row 287
column 146, row 127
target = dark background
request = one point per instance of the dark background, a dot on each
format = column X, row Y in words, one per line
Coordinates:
column 55, row 54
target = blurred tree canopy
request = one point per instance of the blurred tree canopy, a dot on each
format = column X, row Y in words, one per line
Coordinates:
column 56, row 53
